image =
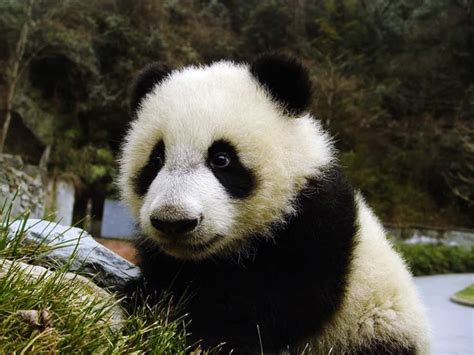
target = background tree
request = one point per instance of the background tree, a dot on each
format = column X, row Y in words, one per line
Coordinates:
column 16, row 61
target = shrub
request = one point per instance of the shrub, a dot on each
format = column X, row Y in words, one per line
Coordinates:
column 437, row 259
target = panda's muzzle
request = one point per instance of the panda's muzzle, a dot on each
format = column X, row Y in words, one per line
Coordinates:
column 178, row 227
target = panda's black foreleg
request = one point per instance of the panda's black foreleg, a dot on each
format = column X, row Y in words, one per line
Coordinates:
column 132, row 294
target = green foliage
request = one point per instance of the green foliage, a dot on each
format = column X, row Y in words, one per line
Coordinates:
column 437, row 259
column 12, row 18
column 268, row 27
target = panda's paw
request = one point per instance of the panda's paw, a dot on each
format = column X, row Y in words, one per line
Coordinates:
column 378, row 319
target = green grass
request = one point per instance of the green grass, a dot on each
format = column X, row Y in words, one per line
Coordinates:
column 465, row 296
column 437, row 259
column 80, row 319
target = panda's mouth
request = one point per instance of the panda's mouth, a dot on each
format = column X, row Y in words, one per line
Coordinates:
column 183, row 248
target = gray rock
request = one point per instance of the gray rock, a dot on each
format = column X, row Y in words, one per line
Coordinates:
column 108, row 268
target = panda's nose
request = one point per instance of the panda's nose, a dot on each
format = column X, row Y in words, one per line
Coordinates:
column 174, row 227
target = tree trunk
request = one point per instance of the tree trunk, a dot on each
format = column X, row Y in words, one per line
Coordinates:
column 13, row 73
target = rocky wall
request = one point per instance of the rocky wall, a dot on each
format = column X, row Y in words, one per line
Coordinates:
column 26, row 181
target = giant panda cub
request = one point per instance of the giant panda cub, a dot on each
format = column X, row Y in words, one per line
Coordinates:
column 240, row 199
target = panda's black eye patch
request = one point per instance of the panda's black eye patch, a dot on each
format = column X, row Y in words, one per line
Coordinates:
column 238, row 180
column 147, row 174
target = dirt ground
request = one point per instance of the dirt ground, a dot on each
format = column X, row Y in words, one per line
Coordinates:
column 123, row 248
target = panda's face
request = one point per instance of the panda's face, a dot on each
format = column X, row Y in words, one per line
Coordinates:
column 212, row 159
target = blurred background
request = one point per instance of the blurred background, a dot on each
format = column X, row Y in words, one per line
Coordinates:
column 393, row 83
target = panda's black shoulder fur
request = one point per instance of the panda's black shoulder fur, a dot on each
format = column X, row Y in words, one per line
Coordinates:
column 289, row 287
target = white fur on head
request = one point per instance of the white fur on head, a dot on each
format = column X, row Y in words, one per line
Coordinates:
column 192, row 108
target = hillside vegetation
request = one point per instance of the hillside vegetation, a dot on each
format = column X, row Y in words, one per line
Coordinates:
column 393, row 82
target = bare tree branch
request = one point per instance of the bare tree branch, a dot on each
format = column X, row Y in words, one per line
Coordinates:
column 14, row 70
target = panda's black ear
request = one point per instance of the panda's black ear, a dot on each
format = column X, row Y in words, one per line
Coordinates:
column 286, row 79
column 146, row 80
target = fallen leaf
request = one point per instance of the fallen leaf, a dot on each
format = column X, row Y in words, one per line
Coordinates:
column 37, row 319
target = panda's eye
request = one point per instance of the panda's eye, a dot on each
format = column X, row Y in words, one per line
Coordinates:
column 220, row 160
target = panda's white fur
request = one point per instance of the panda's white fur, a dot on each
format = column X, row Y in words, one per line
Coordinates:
column 194, row 106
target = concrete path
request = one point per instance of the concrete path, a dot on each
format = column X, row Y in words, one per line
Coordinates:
column 453, row 324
